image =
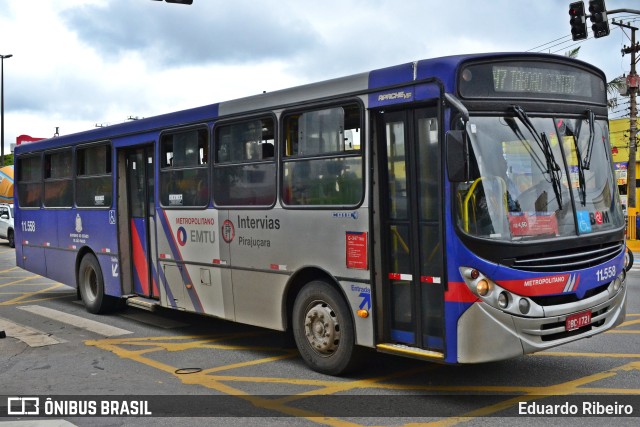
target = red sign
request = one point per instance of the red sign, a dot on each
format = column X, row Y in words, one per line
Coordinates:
column 356, row 243
column 26, row 138
column 533, row 224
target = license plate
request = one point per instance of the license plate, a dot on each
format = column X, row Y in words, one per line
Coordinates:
column 578, row 320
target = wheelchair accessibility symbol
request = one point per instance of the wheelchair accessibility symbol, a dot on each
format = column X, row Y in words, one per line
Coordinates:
column 584, row 222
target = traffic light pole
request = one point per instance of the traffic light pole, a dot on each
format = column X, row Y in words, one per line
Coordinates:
column 635, row 11
column 632, row 83
column 600, row 27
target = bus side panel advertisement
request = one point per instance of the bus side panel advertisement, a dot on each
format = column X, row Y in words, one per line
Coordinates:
column 357, row 250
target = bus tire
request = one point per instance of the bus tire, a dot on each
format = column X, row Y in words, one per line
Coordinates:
column 91, row 285
column 323, row 329
column 628, row 259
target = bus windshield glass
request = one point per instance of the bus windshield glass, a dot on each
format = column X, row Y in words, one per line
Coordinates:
column 538, row 178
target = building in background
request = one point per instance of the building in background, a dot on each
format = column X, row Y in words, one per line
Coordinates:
column 619, row 135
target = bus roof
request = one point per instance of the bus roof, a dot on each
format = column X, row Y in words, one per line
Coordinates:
column 442, row 68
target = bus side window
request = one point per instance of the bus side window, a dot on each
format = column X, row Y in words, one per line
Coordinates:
column 94, row 187
column 244, row 171
column 323, row 160
column 29, row 181
column 184, row 175
column 57, row 179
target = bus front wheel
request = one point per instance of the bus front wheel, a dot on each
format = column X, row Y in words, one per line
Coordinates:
column 323, row 329
column 91, row 284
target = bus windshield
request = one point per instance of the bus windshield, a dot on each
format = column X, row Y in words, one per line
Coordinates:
column 538, row 178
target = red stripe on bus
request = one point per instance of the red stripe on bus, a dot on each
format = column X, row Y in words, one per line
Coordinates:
column 459, row 292
column 139, row 259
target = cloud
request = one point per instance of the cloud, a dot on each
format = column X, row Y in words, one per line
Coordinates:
column 79, row 62
column 169, row 35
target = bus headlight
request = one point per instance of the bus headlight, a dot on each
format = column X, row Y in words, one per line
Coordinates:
column 483, row 288
column 503, row 299
column 493, row 294
column 618, row 281
column 616, row 284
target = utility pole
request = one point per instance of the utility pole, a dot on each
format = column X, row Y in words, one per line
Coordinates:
column 600, row 28
column 632, row 83
column 2, row 58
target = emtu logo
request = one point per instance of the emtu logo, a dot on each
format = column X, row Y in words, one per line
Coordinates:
column 181, row 235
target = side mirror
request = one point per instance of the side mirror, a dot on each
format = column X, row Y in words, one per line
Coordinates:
column 457, row 156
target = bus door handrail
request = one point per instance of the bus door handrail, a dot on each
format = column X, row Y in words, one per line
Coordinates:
column 470, row 193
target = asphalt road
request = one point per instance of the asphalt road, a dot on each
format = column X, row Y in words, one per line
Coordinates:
column 191, row 367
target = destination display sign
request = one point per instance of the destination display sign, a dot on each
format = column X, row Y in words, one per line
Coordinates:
column 540, row 80
column 534, row 80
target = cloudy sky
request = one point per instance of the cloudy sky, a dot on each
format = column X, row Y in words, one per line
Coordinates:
column 78, row 63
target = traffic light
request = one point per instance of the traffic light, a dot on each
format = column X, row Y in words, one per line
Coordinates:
column 599, row 18
column 578, row 20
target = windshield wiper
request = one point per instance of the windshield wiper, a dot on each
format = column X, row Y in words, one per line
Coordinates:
column 586, row 163
column 582, row 186
column 553, row 169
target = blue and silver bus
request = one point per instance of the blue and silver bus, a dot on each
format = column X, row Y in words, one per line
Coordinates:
column 459, row 209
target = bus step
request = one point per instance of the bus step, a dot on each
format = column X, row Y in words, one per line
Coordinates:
column 143, row 303
column 405, row 350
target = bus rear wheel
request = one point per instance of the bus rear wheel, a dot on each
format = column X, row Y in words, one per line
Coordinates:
column 91, row 285
column 323, row 329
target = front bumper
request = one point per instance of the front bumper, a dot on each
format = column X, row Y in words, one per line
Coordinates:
column 489, row 334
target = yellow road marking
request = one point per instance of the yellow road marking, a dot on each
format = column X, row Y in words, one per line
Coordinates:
column 536, row 393
column 8, row 285
column 15, row 282
column 205, row 379
column 627, row 323
column 596, row 355
column 27, row 296
column 212, row 379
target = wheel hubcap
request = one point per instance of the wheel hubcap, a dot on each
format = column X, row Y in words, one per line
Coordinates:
column 91, row 284
column 322, row 328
